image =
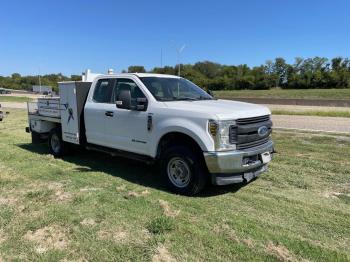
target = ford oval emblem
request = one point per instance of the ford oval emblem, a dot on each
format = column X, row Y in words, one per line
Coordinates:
column 262, row 131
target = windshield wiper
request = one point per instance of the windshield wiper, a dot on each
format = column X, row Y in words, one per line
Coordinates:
column 205, row 98
column 185, row 98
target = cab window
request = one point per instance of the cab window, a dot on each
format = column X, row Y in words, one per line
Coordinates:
column 127, row 84
column 103, row 91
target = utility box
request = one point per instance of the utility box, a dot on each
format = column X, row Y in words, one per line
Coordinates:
column 72, row 99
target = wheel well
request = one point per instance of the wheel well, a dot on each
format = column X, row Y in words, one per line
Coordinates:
column 177, row 138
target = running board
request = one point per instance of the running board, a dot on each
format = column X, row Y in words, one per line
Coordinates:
column 120, row 153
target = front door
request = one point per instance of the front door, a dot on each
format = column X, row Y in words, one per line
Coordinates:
column 127, row 129
column 95, row 112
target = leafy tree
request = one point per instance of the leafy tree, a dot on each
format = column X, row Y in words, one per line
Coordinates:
column 136, row 69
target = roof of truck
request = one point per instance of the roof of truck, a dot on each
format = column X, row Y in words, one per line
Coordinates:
column 143, row 75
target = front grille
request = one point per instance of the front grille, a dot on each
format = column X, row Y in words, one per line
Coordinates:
column 233, row 134
column 245, row 133
column 253, row 144
column 252, row 120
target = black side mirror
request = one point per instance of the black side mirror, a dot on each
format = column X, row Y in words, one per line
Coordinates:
column 124, row 99
column 141, row 104
column 211, row 93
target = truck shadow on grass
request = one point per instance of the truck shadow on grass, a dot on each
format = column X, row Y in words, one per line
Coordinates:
column 130, row 170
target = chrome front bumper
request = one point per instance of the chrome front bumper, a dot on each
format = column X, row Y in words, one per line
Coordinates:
column 237, row 166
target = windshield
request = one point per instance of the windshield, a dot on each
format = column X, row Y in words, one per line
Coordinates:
column 174, row 89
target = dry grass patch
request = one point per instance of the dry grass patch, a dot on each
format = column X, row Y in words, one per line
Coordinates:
column 162, row 255
column 8, row 201
column 248, row 242
column 63, row 196
column 227, row 231
column 49, row 237
column 119, row 235
column 167, row 209
column 88, row 222
column 2, row 236
column 280, row 252
column 121, row 188
column 89, row 189
column 132, row 194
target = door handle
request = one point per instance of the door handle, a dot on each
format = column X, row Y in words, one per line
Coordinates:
column 109, row 113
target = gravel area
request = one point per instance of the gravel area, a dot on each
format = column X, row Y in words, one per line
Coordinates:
column 315, row 123
column 294, row 108
column 19, row 105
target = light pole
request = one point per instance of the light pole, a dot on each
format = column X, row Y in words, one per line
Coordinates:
column 179, row 51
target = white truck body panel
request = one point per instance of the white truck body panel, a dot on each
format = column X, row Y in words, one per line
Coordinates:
column 41, row 126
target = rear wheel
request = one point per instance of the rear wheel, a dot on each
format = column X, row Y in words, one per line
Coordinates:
column 57, row 146
column 183, row 170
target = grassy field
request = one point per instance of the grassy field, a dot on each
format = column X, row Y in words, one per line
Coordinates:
column 90, row 206
column 290, row 93
column 14, row 99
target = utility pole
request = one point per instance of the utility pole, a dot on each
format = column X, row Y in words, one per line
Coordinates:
column 161, row 58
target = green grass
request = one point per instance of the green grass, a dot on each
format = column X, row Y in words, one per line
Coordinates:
column 99, row 208
column 312, row 113
column 289, row 93
column 14, row 99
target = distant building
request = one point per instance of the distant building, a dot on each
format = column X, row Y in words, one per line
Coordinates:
column 42, row 89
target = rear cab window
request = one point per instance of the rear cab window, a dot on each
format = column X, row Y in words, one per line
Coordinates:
column 103, row 91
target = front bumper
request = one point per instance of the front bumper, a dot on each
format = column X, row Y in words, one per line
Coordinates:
column 237, row 166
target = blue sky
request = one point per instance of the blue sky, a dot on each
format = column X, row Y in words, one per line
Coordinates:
column 70, row 36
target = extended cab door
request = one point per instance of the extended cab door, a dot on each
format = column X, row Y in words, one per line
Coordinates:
column 96, row 111
column 127, row 129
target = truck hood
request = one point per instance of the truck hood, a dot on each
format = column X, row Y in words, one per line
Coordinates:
column 223, row 109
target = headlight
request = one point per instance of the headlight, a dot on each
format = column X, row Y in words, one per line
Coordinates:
column 220, row 130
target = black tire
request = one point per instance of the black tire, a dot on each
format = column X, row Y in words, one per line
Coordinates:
column 57, row 146
column 188, row 160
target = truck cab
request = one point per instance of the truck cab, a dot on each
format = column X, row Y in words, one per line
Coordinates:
column 194, row 137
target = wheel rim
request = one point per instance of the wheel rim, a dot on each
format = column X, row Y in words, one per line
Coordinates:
column 55, row 143
column 179, row 172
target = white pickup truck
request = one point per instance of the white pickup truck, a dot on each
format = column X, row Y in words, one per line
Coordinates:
column 194, row 137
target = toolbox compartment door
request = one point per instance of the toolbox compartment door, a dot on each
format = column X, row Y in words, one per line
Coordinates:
column 72, row 99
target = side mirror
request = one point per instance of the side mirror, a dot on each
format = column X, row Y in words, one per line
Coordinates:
column 141, row 104
column 124, row 99
column 211, row 93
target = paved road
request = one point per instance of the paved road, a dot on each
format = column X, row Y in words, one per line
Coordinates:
column 316, row 123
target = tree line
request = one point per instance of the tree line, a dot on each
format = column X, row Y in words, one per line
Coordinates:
column 16, row 81
column 316, row 72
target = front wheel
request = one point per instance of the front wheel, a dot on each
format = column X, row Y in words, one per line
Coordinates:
column 183, row 170
column 57, row 146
